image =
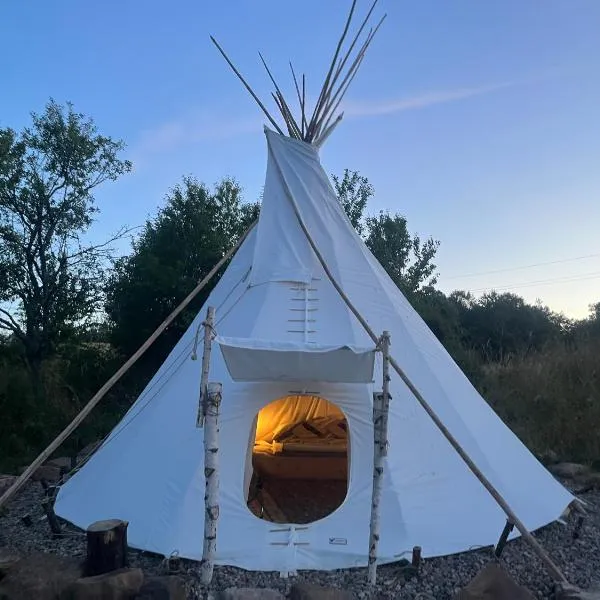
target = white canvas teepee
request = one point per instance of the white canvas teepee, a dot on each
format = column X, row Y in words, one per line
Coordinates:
column 299, row 315
column 283, row 330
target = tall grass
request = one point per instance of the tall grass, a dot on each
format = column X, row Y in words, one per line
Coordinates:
column 551, row 400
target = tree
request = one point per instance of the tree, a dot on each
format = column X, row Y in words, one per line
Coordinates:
column 50, row 280
column 353, row 192
column 500, row 326
column 175, row 250
column 407, row 260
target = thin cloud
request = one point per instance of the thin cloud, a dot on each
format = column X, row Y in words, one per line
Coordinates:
column 194, row 128
column 189, row 130
column 388, row 107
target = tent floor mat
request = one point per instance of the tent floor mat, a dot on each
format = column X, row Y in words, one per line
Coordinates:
column 298, row 500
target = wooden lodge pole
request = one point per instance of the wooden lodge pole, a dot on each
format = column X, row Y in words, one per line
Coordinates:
column 381, row 403
column 543, row 555
column 211, row 475
column 87, row 409
column 209, row 325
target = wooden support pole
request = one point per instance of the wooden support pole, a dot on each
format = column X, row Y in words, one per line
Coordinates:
column 380, row 420
column 53, row 522
column 211, row 475
column 542, row 554
column 209, row 325
column 503, row 538
column 106, row 547
column 87, row 409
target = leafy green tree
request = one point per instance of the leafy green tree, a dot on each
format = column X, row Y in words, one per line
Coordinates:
column 175, row 250
column 407, row 259
column 50, row 279
column 500, row 326
column 353, row 191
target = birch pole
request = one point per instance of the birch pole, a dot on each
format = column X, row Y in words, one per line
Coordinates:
column 380, row 421
column 209, row 325
column 211, row 475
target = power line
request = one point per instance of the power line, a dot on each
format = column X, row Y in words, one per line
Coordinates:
column 531, row 266
column 555, row 281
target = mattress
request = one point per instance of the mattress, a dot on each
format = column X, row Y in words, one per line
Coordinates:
column 315, row 449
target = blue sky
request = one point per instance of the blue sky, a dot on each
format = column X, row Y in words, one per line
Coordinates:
column 479, row 121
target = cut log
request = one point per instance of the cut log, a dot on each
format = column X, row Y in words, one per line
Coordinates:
column 106, row 547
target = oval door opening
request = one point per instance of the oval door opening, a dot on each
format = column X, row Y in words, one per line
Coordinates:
column 300, row 460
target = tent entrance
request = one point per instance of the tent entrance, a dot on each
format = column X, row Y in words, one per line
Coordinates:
column 300, row 460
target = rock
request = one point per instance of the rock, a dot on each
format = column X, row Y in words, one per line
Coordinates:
column 163, row 588
column 5, row 482
column 62, row 462
column 566, row 591
column 8, row 560
column 40, row 577
column 493, row 583
column 568, row 470
column 307, row 591
column 49, row 473
column 122, row 584
column 250, row 594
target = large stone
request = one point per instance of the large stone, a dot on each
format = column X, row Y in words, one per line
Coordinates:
column 5, row 482
column 493, row 583
column 8, row 560
column 568, row 470
column 163, row 588
column 40, row 577
column 49, row 473
column 62, row 462
column 122, row 584
column 250, row 594
column 566, row 591
column 307, row 591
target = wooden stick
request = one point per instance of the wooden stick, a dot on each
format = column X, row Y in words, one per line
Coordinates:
column 381, row 406
column 343, row 87
column 314, row 118
column 304, row 106
column 283, row 107
column 271, row 119
column 300, row 100
column 345, row 58
column 289, row 116
column 347, row 55
column 552, row 568
column 211, row 474
column 209, row 325
column 328, row 131
column 85, row 411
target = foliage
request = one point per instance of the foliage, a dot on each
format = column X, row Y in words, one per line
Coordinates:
column 176, row 249
column 51, row 280
column 407, row 259
column 551, row 399
column 69, row 378
column 500, row 326
column 353, row 191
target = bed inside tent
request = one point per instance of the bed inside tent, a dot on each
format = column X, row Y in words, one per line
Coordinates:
column 298, row 460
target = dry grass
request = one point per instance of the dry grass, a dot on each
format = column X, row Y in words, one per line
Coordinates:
column 551, row 400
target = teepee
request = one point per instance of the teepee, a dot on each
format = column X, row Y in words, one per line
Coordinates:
column 311, row 365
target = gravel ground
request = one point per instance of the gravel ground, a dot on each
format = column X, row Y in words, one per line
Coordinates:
column 438, row 578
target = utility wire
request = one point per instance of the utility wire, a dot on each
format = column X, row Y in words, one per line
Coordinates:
column 531, row 266
column 556, row 281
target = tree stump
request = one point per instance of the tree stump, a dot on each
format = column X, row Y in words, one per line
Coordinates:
column 106, row 547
